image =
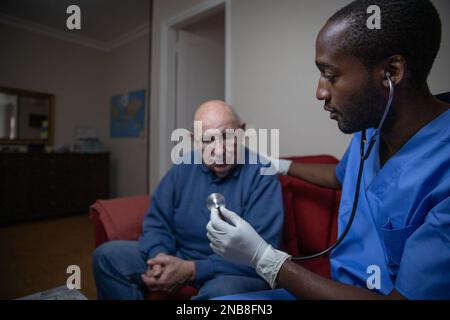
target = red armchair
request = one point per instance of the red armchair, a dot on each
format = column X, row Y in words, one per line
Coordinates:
column 310, row 221
column 310, row 217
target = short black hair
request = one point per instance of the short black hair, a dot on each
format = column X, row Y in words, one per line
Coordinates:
column 411, row 28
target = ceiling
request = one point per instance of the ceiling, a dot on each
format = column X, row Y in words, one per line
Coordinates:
column 101, row 20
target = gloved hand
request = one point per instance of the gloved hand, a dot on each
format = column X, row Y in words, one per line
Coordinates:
column 237, row 241
column 281, row 165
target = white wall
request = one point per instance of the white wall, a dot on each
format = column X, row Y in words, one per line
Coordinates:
column 127, row 70
column 74, row 74
column 272, row 73
column 439, row 79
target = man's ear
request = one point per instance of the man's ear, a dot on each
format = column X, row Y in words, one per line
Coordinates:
column 395, row 66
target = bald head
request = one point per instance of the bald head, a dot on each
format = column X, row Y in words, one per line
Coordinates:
column 217, row 118
column 217, row 114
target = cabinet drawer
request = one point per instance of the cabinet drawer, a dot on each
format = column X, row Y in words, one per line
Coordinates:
column 44, row 185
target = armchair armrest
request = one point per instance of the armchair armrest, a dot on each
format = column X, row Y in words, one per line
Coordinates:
column 118, row 219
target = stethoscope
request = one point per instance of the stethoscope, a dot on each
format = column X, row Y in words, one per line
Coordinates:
column 217, row 200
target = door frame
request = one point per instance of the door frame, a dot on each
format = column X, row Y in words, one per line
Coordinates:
column 167, row 77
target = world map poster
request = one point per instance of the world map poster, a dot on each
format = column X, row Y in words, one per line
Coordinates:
column 128, row 115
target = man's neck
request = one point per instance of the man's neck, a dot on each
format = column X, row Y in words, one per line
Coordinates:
column 410, row 114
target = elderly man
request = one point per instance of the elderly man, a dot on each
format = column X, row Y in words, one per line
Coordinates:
column 173, row 250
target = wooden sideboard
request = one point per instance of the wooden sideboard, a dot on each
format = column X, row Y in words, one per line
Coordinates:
column 38, row 185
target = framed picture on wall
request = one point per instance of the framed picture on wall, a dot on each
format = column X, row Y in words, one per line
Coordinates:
column 128, row 115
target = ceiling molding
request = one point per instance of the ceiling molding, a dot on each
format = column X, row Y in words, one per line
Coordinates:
column 129, row 36
column 50, row 32
column 72, row 37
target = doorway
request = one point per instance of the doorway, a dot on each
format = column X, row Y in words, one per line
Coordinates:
column 199, row 66
column 195, row 67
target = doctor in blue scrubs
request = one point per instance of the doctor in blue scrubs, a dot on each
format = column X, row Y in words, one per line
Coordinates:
column 401, row 232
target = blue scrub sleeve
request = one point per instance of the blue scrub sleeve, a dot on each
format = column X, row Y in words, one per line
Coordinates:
column 425, row 263
column 342, row 165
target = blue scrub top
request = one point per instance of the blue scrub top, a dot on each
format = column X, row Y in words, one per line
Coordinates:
column 402, row 224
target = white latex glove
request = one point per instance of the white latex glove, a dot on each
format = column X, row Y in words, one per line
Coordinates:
column 281, row 165
column 240, row 243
